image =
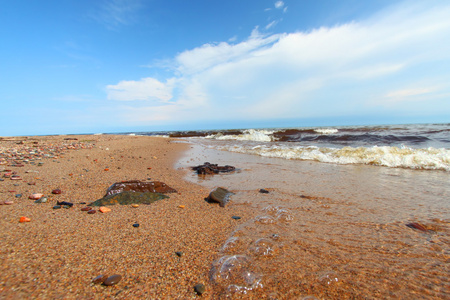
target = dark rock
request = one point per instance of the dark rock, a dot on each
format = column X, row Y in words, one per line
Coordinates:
column 56, row 191
column 64, row 203
column 126, row 198
column 136, row 225
column 208, row 168
column 87, row 208
column 263, row 191
column 112, row 280
column 18, row 195
column 417, row 226
column 220, row 195
column 199, row 288
column 236, row 217
column 99, row 279
column 92, row 211
column 139, row 186
column 57, row 207
column 179, row 253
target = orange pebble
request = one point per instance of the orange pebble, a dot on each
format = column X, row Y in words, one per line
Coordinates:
column 181, row 206
column 106, row 169
column 24, row 219
column 104, row 209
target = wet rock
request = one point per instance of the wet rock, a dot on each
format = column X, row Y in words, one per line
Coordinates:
column 57, row 207
column 112, row 280
column 199, row 288
column 64, row 203
column 18, row 195
column 263, row 191
column 126, row 198
column 56, row 191
column 236, row 217
column 219, row 195
column 99, row 279
column 136, row 225
column 139, row 186
column 417, row 226
column 92, row 211
column 208, row 168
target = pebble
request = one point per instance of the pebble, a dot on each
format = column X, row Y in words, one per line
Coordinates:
column 18, row 195
column 104, row 209
column 181, row 206
column 35, row 196
column 236, row 217
column 57, row 207
column 99, row 279
column 263, row 191
column 66, row 206
column 112, row 280
column 41, row 200
column 92, row 211
column 179, row 253
column 135, row 205
column 24, row 219
column 199, row 288
column 87, row 208
column 8, row 202
column 136, row 225
column 56, row 191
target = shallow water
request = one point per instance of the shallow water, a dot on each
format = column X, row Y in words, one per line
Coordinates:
column 330, row 231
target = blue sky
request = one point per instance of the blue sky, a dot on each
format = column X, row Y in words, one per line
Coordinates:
column 143, row 65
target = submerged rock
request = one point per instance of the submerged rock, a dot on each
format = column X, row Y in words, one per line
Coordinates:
column 126, row 198
column 219, row 195
column 208, row 168
column 139, row 186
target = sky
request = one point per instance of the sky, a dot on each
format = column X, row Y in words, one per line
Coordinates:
column 91, row 66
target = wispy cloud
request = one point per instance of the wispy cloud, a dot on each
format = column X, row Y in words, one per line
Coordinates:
column 115, row 13
column 321, row 72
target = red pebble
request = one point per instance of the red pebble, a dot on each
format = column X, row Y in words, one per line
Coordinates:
column 92, row 211
column 56, row 191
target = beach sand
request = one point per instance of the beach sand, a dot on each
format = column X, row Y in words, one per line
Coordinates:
column 58, row 253
column 325, row 250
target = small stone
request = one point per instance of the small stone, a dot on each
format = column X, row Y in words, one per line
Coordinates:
column 220, row 195
column 112, row 280
column 236, row 217
column 41, row 200
column 199, row 288
column 24, row 219
column 263, row 191
column 179, row 253
column 18, row 195
column 16, row 177
column 87, row 208
column 8, row 202
column 67, row 206
column 35, row 196
column 136, row 225
column 181, row 206
column 135, row 205
column 92, row 211
column 99, row 279
column 104, row 209
column 57, row 207
column 64, row 203
column 56, row 191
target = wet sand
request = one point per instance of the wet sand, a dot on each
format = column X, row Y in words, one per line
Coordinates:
column 317, row 244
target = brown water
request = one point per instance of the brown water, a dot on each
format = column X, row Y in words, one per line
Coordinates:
column 330, row 231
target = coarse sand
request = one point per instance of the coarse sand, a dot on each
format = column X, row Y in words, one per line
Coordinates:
column 58, row 253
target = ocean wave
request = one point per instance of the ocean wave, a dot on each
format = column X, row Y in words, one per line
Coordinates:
column 394, row 157
column 246, row 135
column 326, row 130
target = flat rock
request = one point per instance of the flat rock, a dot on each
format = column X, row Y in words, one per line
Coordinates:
column 126, row 198
column 139, row 186
column 112, row 280
column 208, row 168
column 219, row 195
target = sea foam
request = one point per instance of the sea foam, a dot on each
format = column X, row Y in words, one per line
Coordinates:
column 394, row 157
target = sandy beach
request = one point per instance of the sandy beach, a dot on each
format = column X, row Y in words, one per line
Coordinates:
column 58, row 253
column 326, row 246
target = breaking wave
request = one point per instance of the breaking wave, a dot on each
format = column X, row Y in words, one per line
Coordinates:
column 246, row 135
column 394, row 157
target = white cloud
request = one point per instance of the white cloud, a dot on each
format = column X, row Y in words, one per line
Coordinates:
column 323, row 71
column 144, row 89
column 279, row 4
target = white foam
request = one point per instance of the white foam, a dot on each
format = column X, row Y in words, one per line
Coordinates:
column 326, row 130
column 247, row 135
column 394, row 157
